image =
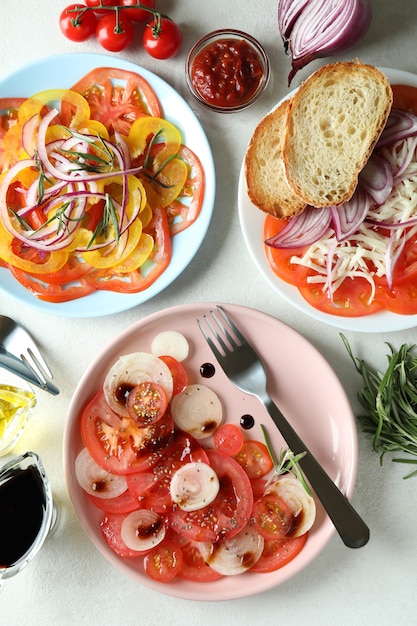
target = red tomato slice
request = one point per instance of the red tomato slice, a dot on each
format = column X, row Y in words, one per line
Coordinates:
column 271, row 517
column 228, row 439
column 52, row 292
column 351, row 299
column 124, row 503
column 405, row 97
column 280, row 258
column 179, row 374
column 278, row 552
column 254, row 458
column 147, row 403
column 111, row 525
column 118, row 444
column 193, row 565
column 151, row 488
column 118, row 97
column 163, row 562
column 227, row 514
column 192, row 194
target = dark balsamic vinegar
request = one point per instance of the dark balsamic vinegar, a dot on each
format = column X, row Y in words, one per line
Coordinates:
column 22, row 507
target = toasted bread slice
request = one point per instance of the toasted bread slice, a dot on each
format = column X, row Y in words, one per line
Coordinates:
column 266, row 184
column 333, row 122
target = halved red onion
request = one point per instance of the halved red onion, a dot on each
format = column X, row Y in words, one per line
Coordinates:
column 348, row 217
column 377, row 179
column 303, row 229
column 321, row 28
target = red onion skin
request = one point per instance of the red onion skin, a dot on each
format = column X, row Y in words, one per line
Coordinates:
column 320, row 28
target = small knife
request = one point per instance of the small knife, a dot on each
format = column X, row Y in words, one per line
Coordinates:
column 18, row 367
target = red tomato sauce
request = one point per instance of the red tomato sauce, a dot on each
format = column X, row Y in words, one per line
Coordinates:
column 226, row 73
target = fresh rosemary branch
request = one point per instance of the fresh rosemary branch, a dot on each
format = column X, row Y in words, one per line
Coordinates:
column 286, row 462
column 390, row 402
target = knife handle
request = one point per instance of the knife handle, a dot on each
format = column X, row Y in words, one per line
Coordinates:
column 350, row 526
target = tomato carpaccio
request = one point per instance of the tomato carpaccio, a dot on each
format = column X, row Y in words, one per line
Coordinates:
column 149, row 454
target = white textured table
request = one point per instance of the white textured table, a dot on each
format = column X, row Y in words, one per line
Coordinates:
column 69, row 582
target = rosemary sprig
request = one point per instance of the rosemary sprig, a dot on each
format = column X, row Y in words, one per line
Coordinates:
column 286, row 462
column 109, row 218
column 390, row 402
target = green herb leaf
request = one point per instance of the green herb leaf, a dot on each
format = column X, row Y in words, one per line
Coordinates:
column 286, row 462
column 389, row 400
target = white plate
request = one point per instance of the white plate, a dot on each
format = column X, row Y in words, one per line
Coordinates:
column 62, row 71
column 252, row 223
column 321, row 414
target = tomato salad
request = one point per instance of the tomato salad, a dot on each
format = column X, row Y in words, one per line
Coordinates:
column 94, row 183
column 364, row 258
column 178, row 488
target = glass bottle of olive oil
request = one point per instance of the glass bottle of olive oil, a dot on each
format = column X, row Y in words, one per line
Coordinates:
column 15, row 407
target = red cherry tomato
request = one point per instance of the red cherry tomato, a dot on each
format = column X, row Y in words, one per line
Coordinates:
column 164, row 562
column 271, row 517
column 138, row 15
column 96, row 3
column 77, row 25
column 114, row 35
column 228, row 439
column 147, row 403
column 255, row 459
column 162, row 38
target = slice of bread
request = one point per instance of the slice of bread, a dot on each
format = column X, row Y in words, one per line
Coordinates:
column 332, row 124
column 266, row 184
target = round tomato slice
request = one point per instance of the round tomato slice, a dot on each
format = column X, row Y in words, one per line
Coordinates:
column 117, row 443
column 54, row 291
column 405, row 97
column 125, row 503
column 147, row 403
column 152, row 488
column 255, row 459
column 163, row 562
column 228, row 438
column 351, row 299
column 179, row 374
column 280, row 258
column 271, row 517
column 118, row 97
column 193, row 565
column 278, row 552
column 227, row 514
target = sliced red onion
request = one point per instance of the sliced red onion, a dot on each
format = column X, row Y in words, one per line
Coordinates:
column 377, row 179
column 322, row 28
column 409, row 157
column 401, row 124
column 348, row 217
column 303, row 229
column 28, row 135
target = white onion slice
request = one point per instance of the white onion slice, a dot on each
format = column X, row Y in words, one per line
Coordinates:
column 197, row 410
column 95, row 480
column 302, row 505
column 142, row 530
column 130, row 370
column 235, row 555
column 170, row 343
column 194, row 486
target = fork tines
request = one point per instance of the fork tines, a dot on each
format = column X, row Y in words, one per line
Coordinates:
column 38, row 364
column 215, row 324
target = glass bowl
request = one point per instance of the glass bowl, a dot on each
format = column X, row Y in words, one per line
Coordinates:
column 227, row 70
column 17, row 400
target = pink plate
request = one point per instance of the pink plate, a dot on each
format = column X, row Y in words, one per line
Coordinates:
column 301, row 382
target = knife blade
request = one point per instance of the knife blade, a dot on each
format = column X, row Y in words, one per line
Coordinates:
column 18, row 367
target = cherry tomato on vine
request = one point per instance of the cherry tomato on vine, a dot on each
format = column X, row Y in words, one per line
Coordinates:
column 138, row 15
column 77, row 25
column 114, row 35
column 96, row 3
column 162, row 38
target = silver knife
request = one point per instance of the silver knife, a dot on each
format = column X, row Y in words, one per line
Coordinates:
column 18, row 367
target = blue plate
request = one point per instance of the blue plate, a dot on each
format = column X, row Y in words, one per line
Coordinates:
column 62, row 71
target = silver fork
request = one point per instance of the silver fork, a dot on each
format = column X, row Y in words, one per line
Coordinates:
column 17, row 342
column 245, row 369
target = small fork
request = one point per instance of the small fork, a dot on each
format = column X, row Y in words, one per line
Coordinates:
column 17, row 341
column 245, row 369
